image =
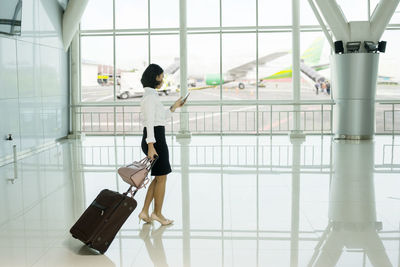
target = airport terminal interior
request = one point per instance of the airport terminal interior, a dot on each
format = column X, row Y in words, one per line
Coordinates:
column 286, row 152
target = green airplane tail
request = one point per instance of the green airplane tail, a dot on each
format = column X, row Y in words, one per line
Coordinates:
column 313, row 53
column 311, row 56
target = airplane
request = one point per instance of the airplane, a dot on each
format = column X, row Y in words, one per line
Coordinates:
column 238, row 74
column 309, row 66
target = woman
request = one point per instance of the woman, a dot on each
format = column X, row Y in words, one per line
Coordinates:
column 154, row 144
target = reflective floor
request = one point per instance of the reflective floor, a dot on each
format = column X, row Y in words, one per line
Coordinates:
column 236, row 201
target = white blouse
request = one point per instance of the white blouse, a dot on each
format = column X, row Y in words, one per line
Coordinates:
column 153, row 112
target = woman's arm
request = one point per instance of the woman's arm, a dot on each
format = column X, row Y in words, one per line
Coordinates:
column 151, row 151
column 149, row 118
column 149, row 115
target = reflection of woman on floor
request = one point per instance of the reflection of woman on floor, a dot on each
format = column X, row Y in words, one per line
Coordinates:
column 155, row 248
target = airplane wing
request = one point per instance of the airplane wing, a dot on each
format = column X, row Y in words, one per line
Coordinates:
column 321, row 66
column 174, row 67
column 242, row 70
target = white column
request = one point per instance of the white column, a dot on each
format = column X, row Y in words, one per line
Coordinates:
column 296, row 64
column 321, row 22
column 71, row 18
column 184, row 116
column 335, row 19
column 74, row 87
column 381, row 16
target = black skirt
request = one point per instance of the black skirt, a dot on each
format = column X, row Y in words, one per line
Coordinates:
column 162, row 165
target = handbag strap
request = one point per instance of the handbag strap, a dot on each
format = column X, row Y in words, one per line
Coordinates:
column 144, row 160
column 145, row 181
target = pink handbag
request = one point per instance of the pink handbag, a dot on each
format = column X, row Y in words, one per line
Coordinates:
column 136, row 174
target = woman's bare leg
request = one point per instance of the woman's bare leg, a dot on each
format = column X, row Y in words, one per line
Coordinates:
column 159, row 193
column 149, row 197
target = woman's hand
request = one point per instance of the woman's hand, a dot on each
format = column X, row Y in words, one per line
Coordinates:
column 152, row 153
column 178, row 103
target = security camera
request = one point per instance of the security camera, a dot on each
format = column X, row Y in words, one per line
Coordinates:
column 353, row 47
column 371, row 47
column 382, row 46
column 339, row 47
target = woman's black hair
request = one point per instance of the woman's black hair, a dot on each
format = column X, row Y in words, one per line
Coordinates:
column 150, row 74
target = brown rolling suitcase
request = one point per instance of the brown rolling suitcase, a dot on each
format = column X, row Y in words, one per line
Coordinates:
column 102, row 220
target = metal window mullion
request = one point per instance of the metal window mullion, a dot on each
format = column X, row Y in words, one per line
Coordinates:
column 277, row 29
column 296, row 59
column 211, row 30
column 220, row 70
column 114, row 58
column 79, row 67
column 148, row 31
column 257, row 89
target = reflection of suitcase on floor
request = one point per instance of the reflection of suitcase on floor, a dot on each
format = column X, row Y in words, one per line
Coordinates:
column 102, row 220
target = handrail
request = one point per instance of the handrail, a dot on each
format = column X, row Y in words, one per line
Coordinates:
column 229, row 103
column 388, row 102
column 213, row 103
